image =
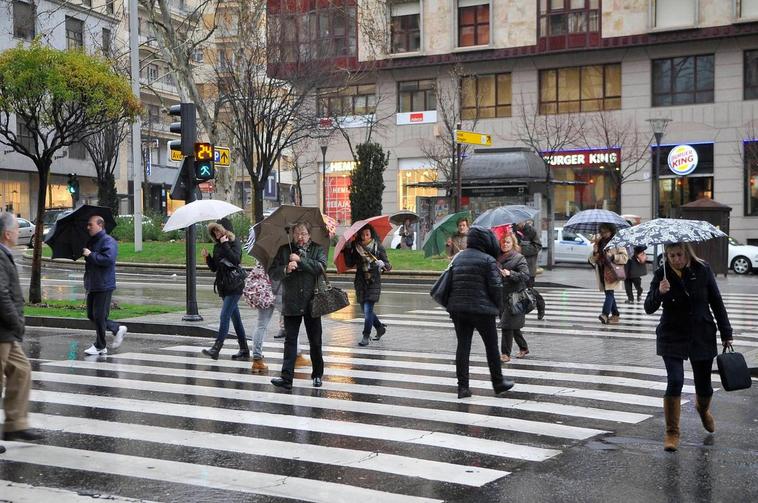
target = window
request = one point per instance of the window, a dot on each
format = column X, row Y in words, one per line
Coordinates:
column 87, row 3
column 352, row 100
column 675, row 13
column 416, row 96
column 567, row 24
column 580, row 89
column 406, row 33
column 109, row 7
column 473, row 24
column 24, row 136
column 751, row 177
column 683, row 81
column 77, row 151
column 74, row 33
column 106, row 42
column 747, row 9
column 751, row 75
column 486, row 96
column 23, row 20
column 152, row 73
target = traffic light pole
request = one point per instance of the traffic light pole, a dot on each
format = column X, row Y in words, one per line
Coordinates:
column 191, row 278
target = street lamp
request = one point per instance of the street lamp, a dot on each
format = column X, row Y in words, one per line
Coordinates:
column 658, row 125
column 323, row 141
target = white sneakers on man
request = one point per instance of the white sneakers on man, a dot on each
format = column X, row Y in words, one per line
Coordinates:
column 120, row 334
column 92, row 350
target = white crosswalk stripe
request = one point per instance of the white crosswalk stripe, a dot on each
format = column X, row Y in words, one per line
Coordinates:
column 166, row 416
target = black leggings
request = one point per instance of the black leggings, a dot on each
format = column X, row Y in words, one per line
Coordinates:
column 675, row 375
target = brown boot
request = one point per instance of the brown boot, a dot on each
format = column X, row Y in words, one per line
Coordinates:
column 301, row 361
column 614, row 319
column 703, row 407
column 672, row 407
column 258, row 366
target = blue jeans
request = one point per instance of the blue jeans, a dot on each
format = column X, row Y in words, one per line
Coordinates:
column 264, row 317
column 369, row 318
column 609, row 306
column 230, row 310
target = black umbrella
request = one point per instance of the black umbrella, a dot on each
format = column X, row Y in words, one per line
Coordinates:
column 69, row 234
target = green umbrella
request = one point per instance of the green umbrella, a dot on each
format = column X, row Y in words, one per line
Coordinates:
column 434, row 244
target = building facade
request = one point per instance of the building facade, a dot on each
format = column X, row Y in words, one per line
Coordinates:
column 494, row 63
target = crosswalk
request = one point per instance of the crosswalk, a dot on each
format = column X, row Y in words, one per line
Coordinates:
column 173, row 425
column 574, row 312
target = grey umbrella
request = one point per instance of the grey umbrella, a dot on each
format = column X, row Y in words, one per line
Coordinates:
column 587, row 221
column 511, row 214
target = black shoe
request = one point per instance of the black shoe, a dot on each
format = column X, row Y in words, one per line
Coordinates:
column 503, row 386
column 280, row 334
column 629, row 301
column 364, row 341
column 214, row 350
column 639, row 297
column 242, row 355
column 464, row 392
column 28, row 435
column 540, row 315
column 317, row 383
column 380, row 331
column 281, row 383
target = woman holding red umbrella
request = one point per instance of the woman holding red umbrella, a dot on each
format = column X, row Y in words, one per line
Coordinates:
column 369, row 257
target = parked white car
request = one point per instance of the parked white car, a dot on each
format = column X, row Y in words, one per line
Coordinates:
column 25, row 232
column 569, row 247
column 742, row 258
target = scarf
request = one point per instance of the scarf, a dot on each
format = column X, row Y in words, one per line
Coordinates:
column 504, row 257
column 368, row 257
column 303, row 250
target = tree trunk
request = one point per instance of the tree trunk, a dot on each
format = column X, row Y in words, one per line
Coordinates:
column 35, row 283
column 257, row 200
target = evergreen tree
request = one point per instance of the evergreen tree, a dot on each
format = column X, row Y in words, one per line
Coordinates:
column 367, row 181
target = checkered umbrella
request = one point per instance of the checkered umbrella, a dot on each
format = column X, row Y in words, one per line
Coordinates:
column 587, row 221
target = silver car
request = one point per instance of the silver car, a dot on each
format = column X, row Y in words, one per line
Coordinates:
column 25, row 232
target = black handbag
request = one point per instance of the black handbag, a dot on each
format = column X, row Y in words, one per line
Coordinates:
column 440, row 291
column 521, row 302
column 733, row 370
column 327, row 298
column 232, row 276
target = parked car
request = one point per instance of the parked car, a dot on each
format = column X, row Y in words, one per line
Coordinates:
column 25, row 232
column 742, row 258
column 570, row 247
column 49, row 218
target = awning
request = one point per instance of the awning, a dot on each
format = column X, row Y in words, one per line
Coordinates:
column 498, row 165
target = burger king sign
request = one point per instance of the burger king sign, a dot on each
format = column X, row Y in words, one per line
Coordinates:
column 682, row 160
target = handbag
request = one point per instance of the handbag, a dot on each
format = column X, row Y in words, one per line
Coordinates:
column 521, row 302
column 613, row 272
column 440, row 291
column 232, row 276
column 733, row 370
column 327, row 298
column 258, row 291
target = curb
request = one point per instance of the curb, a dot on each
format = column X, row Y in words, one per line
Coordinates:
column 139, row 327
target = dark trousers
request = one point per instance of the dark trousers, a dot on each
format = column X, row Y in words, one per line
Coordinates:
column 701, row 371
column 464, row 330
column 98, row 309
column 369, row 317
column 637, row 282
column 508, row 338
column 313, row 330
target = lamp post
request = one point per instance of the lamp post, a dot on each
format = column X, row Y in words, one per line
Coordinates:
column 323, row 141
column 658, row 125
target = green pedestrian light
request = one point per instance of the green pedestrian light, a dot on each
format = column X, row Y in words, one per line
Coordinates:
column 204, row 168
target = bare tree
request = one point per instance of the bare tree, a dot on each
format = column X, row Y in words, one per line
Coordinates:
column 546, row 133
column 103, row 147
column 303, row 167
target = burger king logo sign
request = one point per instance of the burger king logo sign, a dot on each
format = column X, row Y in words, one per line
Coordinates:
column 682, row 160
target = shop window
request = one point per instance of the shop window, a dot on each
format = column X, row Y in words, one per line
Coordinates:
column 486, row 96
column 580, row 89
column 566, row 24
column 25, row 136
column 23, row 20
column 351, row 100
column 683, row 81
column 747, row 9
column 674, row 13
column 77, row 151
column 74, row 33
column 416, row 96
column 751, row 177
column 675, row 191
column 751, row 74
column 409, row 191
column 405, row 27
column 473, row 23
column 106, row 42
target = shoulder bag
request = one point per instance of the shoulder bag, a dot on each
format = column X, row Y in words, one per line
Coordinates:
column 232, row 276
column 440, row 291
column 613, row 272
column 521, row 302
column 733, row 370
column 327, row 298
column 258, row 291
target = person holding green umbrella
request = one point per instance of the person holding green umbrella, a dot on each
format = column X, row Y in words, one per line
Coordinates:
column 436, row 239
column 457, row 242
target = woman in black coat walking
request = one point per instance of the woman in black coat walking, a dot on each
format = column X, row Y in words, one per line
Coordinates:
column 687, row 290
column 227, row 251
column 515, row 271
column 476, row 298
column 369, row 258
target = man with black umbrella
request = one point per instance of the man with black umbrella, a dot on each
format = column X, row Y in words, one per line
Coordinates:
column 99, row 282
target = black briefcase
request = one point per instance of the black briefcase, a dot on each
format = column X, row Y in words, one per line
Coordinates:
column 733, row 370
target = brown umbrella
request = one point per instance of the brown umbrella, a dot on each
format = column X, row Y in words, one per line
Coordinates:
column 273, row 232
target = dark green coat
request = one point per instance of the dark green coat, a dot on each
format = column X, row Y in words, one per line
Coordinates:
column 11, row 301
column 298, row 285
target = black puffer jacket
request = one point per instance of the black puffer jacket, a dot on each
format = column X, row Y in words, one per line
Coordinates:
column 477, row 287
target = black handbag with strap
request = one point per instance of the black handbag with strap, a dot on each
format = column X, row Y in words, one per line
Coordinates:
column 232, row 277
column 733, row 370
column 327, row 298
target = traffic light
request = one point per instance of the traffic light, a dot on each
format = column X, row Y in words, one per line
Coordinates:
column 186, row 127
column 204, row 169
column 73, row 186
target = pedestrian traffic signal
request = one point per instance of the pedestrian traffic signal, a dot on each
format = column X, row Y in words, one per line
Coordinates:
column 204, row 169
column 186, row 127
column 73, row 186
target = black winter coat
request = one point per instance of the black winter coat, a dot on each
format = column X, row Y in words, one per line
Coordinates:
column 516, row 282
column 231, row 251
column 367, row 290
column 477, row 287
column 634, row 268
column 686, row 328
column 299, row 284
column 11, row 300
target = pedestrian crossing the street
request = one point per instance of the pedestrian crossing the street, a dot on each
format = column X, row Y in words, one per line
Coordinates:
column 173, row 425
column 575, row 312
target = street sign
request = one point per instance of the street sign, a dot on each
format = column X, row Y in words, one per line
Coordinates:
column 271, row 189
column 473, row 138
column 176, row 155
column 222, row 156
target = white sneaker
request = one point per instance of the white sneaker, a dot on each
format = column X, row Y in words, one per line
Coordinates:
column 92, row 350
column 119, row 339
